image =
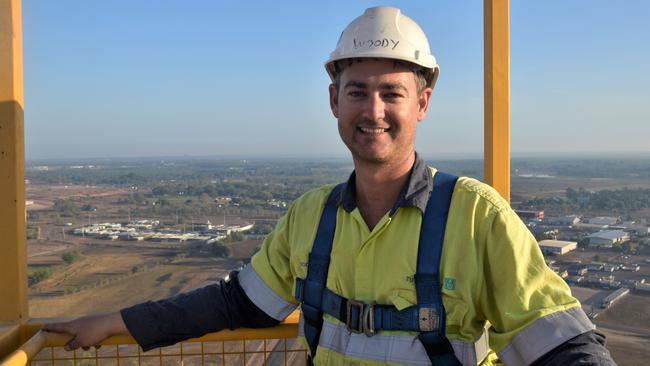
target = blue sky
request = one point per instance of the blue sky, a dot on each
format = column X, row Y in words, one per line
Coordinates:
column 170, row 78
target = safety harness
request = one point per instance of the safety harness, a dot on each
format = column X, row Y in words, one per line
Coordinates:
column 427, row 317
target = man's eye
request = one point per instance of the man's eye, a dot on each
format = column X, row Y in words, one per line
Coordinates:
column 356, row 94
column 392, row 95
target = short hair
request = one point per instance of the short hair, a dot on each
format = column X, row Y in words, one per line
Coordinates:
column 423, row 76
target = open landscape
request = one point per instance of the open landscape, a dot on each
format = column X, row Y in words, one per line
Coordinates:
column 75, row 270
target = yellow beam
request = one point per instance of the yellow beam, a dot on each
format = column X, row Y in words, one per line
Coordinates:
column 10, row 338
column 13, row 257
column 19, row 355
column 497, row 95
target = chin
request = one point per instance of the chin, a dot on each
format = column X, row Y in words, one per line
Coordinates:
column 370, row 158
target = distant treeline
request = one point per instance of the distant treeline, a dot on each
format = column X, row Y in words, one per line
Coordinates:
column 305, row 172
column 191, row 172
column 620, row 200
column 586, row 168
column 250, row 189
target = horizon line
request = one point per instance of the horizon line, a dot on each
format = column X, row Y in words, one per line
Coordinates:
column 259, row 157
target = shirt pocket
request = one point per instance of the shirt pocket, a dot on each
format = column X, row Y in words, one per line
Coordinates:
column 402, row 298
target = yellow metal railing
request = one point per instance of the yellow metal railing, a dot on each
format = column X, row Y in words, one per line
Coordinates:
column 271, row 346
column 219, row 348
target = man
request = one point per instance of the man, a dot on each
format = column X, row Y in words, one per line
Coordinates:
column 500, row 300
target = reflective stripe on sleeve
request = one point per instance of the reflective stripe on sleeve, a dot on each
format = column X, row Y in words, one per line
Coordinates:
column 262, row 295
column 545, row 334
column 471, row 353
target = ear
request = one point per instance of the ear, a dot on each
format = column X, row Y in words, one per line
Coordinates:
column 334, row 100
column 423, row 103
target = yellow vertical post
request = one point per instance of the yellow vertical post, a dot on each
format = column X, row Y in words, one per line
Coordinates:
column 497, row 95
column 13, row 251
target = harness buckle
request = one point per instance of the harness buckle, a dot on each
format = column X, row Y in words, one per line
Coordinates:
column 369, row 320
column 351, row 304
column 366, row 318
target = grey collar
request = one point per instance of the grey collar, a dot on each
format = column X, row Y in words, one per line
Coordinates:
column 415, row 193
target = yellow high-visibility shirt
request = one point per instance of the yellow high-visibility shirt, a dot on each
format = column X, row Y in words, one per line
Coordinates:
column 492, row 270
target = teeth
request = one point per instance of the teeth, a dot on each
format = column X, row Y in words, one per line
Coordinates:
column 372, row 130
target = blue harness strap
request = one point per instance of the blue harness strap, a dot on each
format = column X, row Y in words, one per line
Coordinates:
column 428, row 317
column 427, row 277
column 310, row 290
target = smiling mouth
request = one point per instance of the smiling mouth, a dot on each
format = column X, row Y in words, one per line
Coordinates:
column 372, row 130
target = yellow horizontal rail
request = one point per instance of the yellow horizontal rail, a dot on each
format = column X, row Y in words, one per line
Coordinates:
column 26, row 353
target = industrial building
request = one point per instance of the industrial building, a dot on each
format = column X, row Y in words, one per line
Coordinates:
column 607, row 238
column 604, row 220
column 567, row 220
column 614, row 296
column 557, row 247
column 527, row 214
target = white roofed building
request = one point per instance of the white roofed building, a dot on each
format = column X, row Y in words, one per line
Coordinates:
column 607, row 238
column 558, row 247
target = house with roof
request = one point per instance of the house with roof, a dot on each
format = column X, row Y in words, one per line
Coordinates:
column 604, row 220
column 607, row 238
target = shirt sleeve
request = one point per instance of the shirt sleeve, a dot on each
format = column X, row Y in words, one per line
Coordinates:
column 585, row 349
column 531, row 308
column 269, row 280
column 208, row 309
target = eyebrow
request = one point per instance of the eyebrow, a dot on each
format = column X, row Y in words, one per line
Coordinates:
column 382, row 86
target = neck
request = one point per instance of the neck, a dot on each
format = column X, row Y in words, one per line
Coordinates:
column 378, row 187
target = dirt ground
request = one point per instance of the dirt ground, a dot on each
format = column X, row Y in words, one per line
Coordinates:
column 160, row 282
column 627, row 349
column 44, row 196
column 102, row 279
column 548, row 187
column 626, row 324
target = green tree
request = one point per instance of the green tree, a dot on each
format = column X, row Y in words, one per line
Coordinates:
column 32, row 233
column 219, row 249
column 38, row 276
column 88, row 207
column 65, row 207
column 234, row 236
column 70, row 257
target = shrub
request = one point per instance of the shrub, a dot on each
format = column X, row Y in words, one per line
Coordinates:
column 70, row 257
column 38, row 276
column 219, row 249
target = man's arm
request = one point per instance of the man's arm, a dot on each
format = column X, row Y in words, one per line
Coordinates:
column 585, row 349
column 166, row 322
column 535, row 319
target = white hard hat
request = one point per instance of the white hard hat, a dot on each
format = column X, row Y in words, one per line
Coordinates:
column 384, row 32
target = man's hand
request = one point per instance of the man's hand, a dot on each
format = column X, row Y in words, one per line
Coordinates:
column 89, row 330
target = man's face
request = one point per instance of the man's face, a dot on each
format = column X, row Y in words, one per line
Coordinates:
column 378, row 108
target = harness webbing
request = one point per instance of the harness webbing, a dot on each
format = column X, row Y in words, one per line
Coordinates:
column 311, row 290
column 427, row 317
column 427, row 276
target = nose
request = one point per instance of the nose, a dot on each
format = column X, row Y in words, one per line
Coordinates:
column 374, row 108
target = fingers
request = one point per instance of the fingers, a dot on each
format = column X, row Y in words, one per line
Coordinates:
column 72, row 345
column 57, row 328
